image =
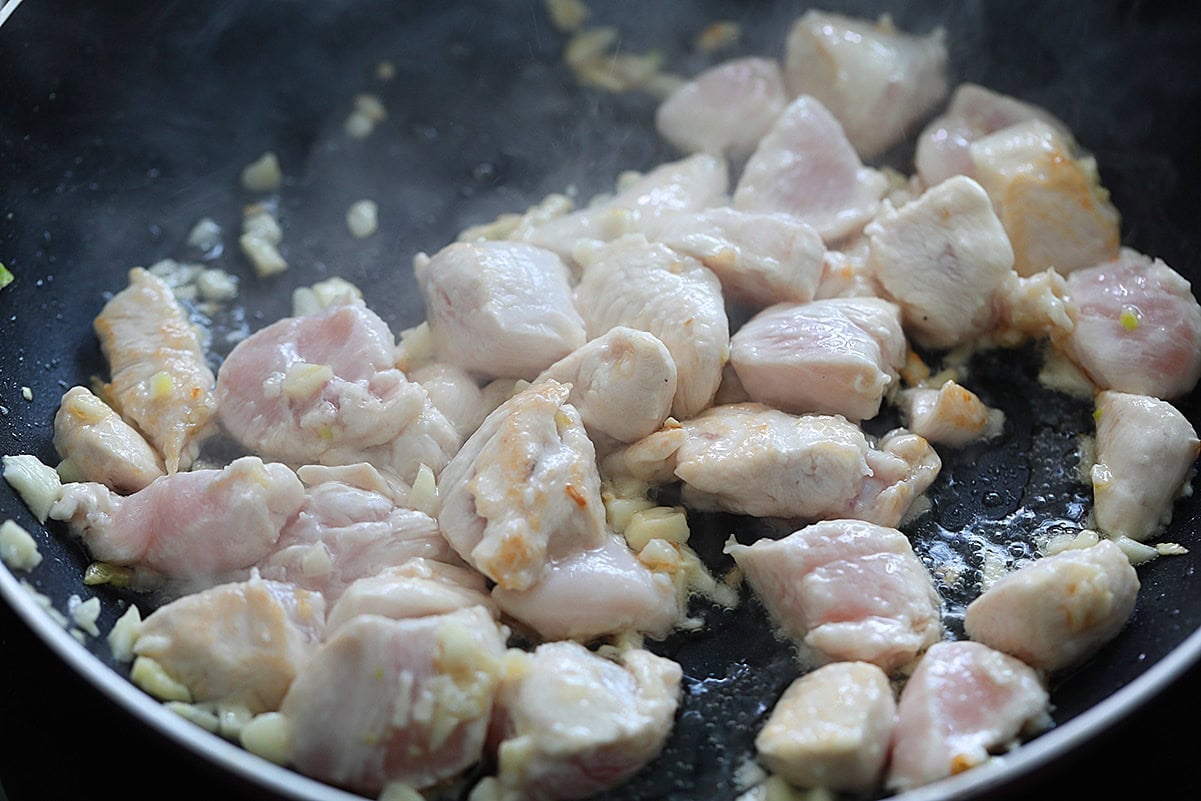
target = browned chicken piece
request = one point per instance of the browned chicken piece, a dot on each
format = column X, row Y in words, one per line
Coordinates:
column 96, row 445
column 160, row 381
column 1051, row 203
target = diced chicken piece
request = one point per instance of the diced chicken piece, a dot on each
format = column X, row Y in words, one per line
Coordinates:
column 836, row 356
column 193, row 524
column 805, row 167
column 1056, row 612
column 1038, row 307
column 944, row 147
column 499, row 309
column 571, row 723
column 623, row 383
column 760, row 259
column 1053, row 207
column 239, row 643
column 349, row 527
column 324, row 389
column 593, row 593
column 751, row 459
column 1145, row 456
column 524, row 489
column 943, row 258
column 649, row 287
column 690, row 184
column 963, row 701
column 726, row 109
column 847, row 589
column 396, row 701
column 418, row 587
column 831, row 728
column 949, row 415
column 97, row 445
column 1138, row 327
column 878, row 82
column 457, row 395
column 160, row 381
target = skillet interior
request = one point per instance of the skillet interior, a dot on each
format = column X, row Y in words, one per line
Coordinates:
column 113, row 150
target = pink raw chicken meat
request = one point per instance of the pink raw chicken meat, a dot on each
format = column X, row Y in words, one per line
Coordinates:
column 847, row 589
column 195, row 524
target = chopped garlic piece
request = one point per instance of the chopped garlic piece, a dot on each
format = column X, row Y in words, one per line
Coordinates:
column 415, row 347
column 154, row 679
column 304, row 380
column 265, row 257
column 323, row 294
column 105, row 573
column 206, row 236
column 18, row 548
column 124, row 634
column 263, row 174
column 385, row 71
column 200, row 715
column 668, row 523
column 217, row 286
column 568, row 15
column 424, row 495
column 27, row 393
column 1137, row 552
column 268, row 735
column 1170, row 549
column 38, row 484
column 84, row 614
column 362, row 218
column 717, row 36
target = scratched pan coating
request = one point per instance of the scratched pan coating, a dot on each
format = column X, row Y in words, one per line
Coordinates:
column 125, row 126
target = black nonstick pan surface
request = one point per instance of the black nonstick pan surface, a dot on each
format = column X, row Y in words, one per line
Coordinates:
column 122, row 124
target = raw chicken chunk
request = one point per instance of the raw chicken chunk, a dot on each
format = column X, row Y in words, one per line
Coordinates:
column 751, row 459
column 760, row 259
column 324, row 389
column 405, row 701
column 949, row 415
column 97, row 445
column 1145, row 456
column 690, row 184
column 1138, row 327
column 877, row 81
column 944, row 147
column 456, row 394
column 805, row 167
column 647, row 286
column 239, row 643
column 1053, row 207
column 350, row 526
column 593, row 593
column 499, row 309
column 571, row 723
column 847, row 589
column 943, row 258
column 623, row 383
column 524, row 489
column 160, row 380
column 963, row 701
column 726, row 109
column 1059, row 610
column 417, row 587
column 831, row 728
column 836, row 356
column 194, row 524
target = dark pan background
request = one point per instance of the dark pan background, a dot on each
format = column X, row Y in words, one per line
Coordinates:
column 121, row 124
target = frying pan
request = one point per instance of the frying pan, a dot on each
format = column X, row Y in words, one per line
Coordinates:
column 124, row 124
